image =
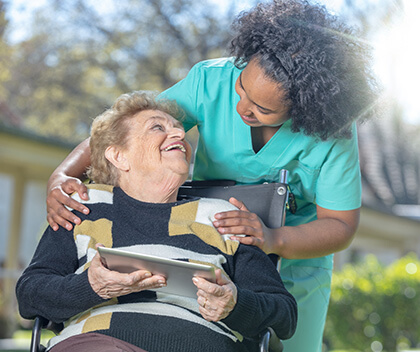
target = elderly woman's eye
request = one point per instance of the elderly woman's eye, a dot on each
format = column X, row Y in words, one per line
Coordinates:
column 158, row 127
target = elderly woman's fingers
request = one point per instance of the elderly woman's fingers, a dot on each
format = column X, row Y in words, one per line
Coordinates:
column 215, row 300
column 144, row 280
column 108, row 284
column 222, row 279
column 202, row 301
column 123, row 284
column 97, row 274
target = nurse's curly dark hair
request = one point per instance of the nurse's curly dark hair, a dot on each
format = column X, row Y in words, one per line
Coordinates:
column 320, row 62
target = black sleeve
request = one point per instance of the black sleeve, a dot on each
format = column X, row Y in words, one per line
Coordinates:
column 263, row 301
column 49, row 286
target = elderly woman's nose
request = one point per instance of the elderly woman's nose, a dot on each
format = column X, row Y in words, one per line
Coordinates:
column 177, row 132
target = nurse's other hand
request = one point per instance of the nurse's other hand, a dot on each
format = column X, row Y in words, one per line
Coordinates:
column 58, row 197
column 242, row 222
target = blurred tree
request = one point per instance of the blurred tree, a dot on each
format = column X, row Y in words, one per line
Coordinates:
column 80, row 57
column 5, row 70
column 375, row 308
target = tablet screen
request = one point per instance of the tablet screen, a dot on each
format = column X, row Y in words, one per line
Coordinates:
column 178, row 273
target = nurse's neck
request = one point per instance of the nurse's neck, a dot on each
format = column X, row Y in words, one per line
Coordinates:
column 261, row 135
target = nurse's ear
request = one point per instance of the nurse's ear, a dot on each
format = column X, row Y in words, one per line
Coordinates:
column 116, row 156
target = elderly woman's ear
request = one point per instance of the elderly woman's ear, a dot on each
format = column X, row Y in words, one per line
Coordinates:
column 116, row 156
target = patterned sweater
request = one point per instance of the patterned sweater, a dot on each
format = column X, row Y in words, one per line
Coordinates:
column 55, row 284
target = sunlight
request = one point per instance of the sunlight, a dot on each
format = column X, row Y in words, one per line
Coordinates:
column 397, row 57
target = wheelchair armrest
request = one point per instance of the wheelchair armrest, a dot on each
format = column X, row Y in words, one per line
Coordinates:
column 265, row 341
column 39, row 324
column 269, row 342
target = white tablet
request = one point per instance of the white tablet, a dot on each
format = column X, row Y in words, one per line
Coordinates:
column 178, row 273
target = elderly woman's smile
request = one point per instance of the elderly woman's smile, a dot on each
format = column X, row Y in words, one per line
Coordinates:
column 176, row 146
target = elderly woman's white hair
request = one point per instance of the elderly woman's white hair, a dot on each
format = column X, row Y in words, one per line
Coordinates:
column 112, row 126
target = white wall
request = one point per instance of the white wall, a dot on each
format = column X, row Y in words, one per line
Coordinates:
column 6, row 192
column 33, row 218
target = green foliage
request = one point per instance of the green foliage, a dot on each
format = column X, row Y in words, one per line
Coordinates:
column 375, row 308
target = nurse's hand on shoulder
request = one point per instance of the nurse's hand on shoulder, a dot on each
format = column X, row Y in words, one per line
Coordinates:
column 243, row 222
column 58, row 197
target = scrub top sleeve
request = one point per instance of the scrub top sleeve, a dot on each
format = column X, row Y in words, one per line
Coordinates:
column 339, row 183
column 185, row 93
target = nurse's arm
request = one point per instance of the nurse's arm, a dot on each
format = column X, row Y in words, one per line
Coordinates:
column 333, row 231
column 65, row 180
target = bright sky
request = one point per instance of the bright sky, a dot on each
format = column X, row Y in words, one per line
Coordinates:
column 397, row 52
column 398, row 57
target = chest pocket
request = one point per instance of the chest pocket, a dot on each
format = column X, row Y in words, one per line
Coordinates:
column 302, row 180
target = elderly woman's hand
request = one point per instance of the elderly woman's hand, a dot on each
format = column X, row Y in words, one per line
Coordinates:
column 109, row 284
column 58, row 197
column 216, row 300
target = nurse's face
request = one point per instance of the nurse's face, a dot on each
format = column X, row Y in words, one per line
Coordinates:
column 262, row 101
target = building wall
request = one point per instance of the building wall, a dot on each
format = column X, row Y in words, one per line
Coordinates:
column 388, row 237
column 25, row 166
column 26, row 162
column 32, row 219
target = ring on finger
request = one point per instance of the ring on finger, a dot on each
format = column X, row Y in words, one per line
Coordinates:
column 205, row 302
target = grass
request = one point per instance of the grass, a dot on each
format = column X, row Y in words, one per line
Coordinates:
column 21, row 341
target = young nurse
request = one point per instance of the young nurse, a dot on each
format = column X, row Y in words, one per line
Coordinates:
column 288, row 99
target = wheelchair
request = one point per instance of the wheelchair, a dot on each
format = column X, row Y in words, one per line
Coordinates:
column 268, row 200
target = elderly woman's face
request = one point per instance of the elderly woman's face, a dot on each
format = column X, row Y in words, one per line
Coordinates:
column 156, row 145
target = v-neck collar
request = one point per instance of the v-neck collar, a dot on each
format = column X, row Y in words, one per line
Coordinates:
column 277, row 143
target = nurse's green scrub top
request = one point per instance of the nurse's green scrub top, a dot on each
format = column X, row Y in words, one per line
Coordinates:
column 326, row 173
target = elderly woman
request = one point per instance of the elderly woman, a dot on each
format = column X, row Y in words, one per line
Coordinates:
column 139, row 161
